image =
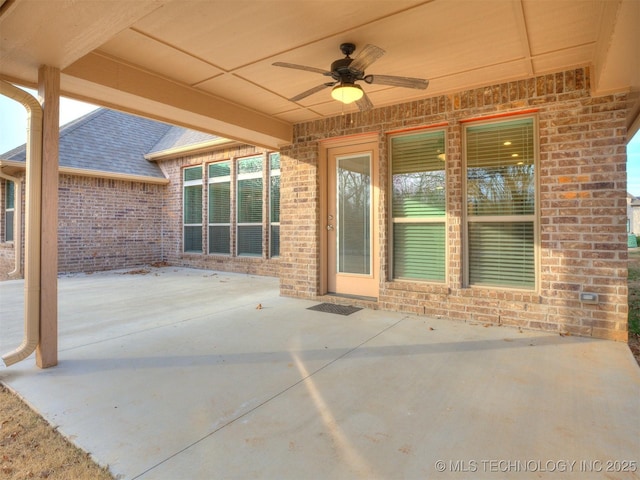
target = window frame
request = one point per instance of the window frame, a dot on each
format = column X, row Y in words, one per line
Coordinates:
column 259, row 175
column 512, row 219
column 273, row 172
column 444, row 220
column 185, row 185
column 8, row 220
column 212, row 181
column 265, row 175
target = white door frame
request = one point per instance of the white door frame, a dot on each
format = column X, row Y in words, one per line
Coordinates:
column 365, row 143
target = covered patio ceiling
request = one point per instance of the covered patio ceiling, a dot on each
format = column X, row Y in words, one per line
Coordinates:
column 207, row 64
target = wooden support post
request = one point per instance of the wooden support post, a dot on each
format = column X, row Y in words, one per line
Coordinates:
column 49, row 93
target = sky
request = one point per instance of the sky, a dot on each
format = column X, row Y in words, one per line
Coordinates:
column 13, row 122
column 13, row 119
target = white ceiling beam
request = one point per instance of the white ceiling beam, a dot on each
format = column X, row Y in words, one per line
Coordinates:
column 118, row 85
column 58, row 33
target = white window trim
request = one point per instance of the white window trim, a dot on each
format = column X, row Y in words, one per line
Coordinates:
column 185, row 184
column 272, row 173
column 392, row 220
column 249, row 176
column 535, row 218
column 212, row 180
column 7, row 210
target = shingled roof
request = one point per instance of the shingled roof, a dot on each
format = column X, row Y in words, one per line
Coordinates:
column 115, row 142
column 178, row 137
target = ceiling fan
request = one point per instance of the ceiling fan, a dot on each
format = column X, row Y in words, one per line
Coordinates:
column 345, row 72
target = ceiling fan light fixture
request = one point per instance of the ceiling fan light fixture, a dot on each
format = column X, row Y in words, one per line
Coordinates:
column 347, row 93
column 345, row 72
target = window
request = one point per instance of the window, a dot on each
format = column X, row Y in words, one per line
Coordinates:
column 238, row 217
column 418, row 206
column 192, row 214
column 220, row 208
column 9, row 208
column 353, row 183
column 249, row 206
column 501, row 203
column 274, row 205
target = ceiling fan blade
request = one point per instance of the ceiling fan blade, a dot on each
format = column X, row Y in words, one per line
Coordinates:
column 368, row 55
column 364, row 104
column 393, row 81
column 311, row 91
column 302, row 67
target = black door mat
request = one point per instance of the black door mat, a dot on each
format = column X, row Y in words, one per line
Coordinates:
column 333, row 308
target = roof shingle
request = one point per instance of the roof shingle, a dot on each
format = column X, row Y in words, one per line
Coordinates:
column 108, row 141
column 178, row 137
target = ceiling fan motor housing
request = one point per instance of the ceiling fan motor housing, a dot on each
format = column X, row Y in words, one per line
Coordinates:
column 340, row 70
column 347, row 48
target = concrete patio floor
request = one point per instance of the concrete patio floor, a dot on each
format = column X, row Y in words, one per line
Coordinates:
column 176, row 374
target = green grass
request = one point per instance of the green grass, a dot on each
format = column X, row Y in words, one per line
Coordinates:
column 634, row 316
column 634, row 319
column 634, row 297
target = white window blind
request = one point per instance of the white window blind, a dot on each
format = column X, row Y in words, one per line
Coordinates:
column 249, row 206
column 501, row 203
column 192, row 212
column 9, row 209
column 500, row 169
column 220, row 208
column 274, row 205
column 419, row 206
column 353, row 222
column 501, row 254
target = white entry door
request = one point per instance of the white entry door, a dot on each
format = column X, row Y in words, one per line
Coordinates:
column 351, row 223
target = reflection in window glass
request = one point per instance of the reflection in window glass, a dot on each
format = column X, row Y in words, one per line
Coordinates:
column 354, row 215
column 419, row 206
column 501, row 203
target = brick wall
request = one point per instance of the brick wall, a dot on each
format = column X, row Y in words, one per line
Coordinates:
column 582, row 191
column 172, row 231
column 106, row 224
column 102, row 225
column 299, row 220
column 7, row 264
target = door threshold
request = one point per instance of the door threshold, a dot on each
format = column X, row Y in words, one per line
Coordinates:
column 352, row 297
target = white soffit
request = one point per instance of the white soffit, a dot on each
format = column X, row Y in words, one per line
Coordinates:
column 214, row 58
column 554, row 26
column 136, row 48
column 242, row 32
